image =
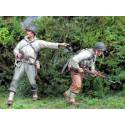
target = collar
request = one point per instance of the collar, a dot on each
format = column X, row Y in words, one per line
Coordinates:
column 26, row 38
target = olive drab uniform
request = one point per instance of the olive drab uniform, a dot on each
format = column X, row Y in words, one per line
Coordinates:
column 29, row 50
column 85, row 57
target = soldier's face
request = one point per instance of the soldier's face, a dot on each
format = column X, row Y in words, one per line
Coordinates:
column 99, row 53
column 30, row 34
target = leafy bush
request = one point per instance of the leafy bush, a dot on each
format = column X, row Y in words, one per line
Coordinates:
column 83, row 31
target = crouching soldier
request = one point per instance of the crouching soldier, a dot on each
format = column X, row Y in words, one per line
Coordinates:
column 87, row 58
column 26, row 53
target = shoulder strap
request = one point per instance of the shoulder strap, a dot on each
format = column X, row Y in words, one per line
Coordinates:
column 31, row 46
column 23, row 46
column 28, row 43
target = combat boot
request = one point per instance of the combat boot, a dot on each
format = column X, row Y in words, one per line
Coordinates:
column 67, row 95
column 72, row 99
column 10, row 99
column 35, row 96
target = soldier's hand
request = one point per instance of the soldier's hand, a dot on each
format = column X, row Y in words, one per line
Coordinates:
column 94, row 73
column 80, row 70
column 38, row 65
column 19, row 55
column 100, row 74
column 63, row 44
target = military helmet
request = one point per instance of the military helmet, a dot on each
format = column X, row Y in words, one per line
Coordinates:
column 32, row 28
column 100, row 46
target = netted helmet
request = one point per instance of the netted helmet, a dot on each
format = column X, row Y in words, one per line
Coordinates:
column 32, row 28
column 100, row 46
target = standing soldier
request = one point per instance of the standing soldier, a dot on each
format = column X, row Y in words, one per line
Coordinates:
column 87, row 58
column 26, row 53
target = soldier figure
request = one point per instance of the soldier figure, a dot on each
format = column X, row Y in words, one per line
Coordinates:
column 26, row 53
column 87, row 58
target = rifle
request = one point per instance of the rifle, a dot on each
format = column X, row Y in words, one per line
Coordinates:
column 102, row 75
column 99, row 74
column 114, row 85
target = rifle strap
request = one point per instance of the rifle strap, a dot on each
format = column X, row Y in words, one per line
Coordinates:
column 30, row 44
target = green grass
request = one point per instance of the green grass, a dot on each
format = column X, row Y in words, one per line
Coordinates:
column 109, row 102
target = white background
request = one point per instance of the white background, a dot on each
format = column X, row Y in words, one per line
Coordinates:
column 62, row 117
column 62, row 8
